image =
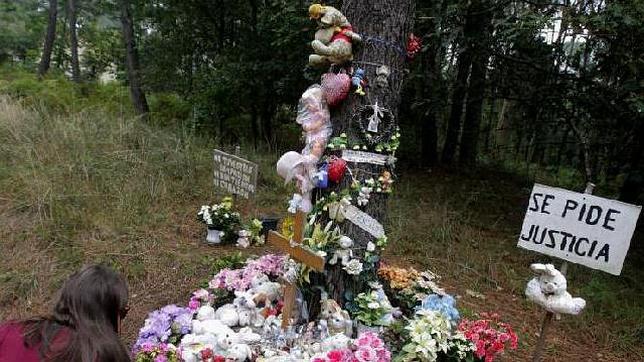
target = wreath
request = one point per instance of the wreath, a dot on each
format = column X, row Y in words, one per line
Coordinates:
column 386, row 125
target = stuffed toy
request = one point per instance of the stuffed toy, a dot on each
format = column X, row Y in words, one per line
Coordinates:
column 334, row 37
column 548, row 289
column 313, row 115
column 228, row 315
column 337, row 319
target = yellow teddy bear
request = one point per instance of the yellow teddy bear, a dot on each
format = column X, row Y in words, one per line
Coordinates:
column 334, row 37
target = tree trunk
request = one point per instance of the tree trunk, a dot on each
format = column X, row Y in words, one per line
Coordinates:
column 73, row 40
column 45, row 60
column 384, row 26
column 458, row 98
column 633, row 185
column 132, row 61
column 432, row 87
column 476, row 91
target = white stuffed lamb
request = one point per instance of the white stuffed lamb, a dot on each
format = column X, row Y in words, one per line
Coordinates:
column 548, row 289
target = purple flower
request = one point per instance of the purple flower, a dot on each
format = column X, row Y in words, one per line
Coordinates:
column 161, row 358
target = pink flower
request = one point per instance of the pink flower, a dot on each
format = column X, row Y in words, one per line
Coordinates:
column 384, row 355
column 194, row 304
column 366, row 354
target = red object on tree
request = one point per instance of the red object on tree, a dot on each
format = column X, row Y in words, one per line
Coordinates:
column 336, row 87
column 414, row 45
column 337, row 168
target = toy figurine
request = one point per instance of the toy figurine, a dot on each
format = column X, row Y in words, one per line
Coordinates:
column 334, row 37
column 548, row 289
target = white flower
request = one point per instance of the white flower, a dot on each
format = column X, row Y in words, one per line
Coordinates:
column 371, row 246
column 353, row 267
column 373, row 305
column 222, row 234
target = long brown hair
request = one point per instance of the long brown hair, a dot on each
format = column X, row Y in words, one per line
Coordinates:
column 90, row 304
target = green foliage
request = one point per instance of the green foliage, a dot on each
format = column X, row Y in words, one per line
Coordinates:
column 21, row 26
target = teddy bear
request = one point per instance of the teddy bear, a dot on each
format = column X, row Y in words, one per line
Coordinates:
column 228, row 314
column 247, row 309
column 334, row 37
column 548, row 289
column 264, row 290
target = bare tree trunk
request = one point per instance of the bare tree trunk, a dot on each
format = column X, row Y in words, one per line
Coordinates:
column 388, row 21
column 71, row 17
column 458, row 98
column 432, row 87
column 472, row 123
column 50, row 36
column 132, row 61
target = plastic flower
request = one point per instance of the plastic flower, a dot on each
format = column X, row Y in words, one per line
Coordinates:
column 444, row 304
column 353, row 267
column 429, row 333
column 489, row 336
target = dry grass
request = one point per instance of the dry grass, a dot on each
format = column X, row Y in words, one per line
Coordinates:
column 97, row 187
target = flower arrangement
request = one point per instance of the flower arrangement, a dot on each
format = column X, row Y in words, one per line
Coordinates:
column 221, row 217
column 444, row 304
column 255, row 228
column 460, row 348
column 166, row 325
column 240, row 279
column 429, row 334
column 199, row 298
column 398, row 278
column 373, row 308
column 162, row 352
column 489, row 336
column 368, row 347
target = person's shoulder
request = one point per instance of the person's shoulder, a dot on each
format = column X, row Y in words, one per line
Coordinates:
column 10, row 328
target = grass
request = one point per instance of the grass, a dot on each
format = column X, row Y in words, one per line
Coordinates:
column 83, row 183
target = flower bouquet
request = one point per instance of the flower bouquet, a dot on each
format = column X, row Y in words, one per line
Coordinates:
column 222, row 220
column 373, row 309
column 489, row 336
column 151, row 352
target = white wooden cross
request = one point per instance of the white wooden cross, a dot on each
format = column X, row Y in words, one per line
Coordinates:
column 294, row 249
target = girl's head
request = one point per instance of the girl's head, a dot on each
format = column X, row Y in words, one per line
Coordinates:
column 91, row 304
column 94, row 295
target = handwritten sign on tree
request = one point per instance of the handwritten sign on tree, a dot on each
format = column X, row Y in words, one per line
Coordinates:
column 234, row 174
column 580, row 228
column 364, row 221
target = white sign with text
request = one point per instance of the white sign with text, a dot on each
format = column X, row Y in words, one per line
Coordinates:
column 364, row 157
column 235, row 174
column 364, row 221
column 580, row 228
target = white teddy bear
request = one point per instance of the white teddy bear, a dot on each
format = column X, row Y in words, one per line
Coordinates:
column 205, row 312
column 264, row 290
column 210, row 326
column 548, row 289
column 240, row 353
column 228, row 315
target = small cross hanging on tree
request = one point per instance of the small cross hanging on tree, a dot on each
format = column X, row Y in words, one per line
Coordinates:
column 294, row 249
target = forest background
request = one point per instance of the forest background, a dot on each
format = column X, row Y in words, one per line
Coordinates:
column 110, row 109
